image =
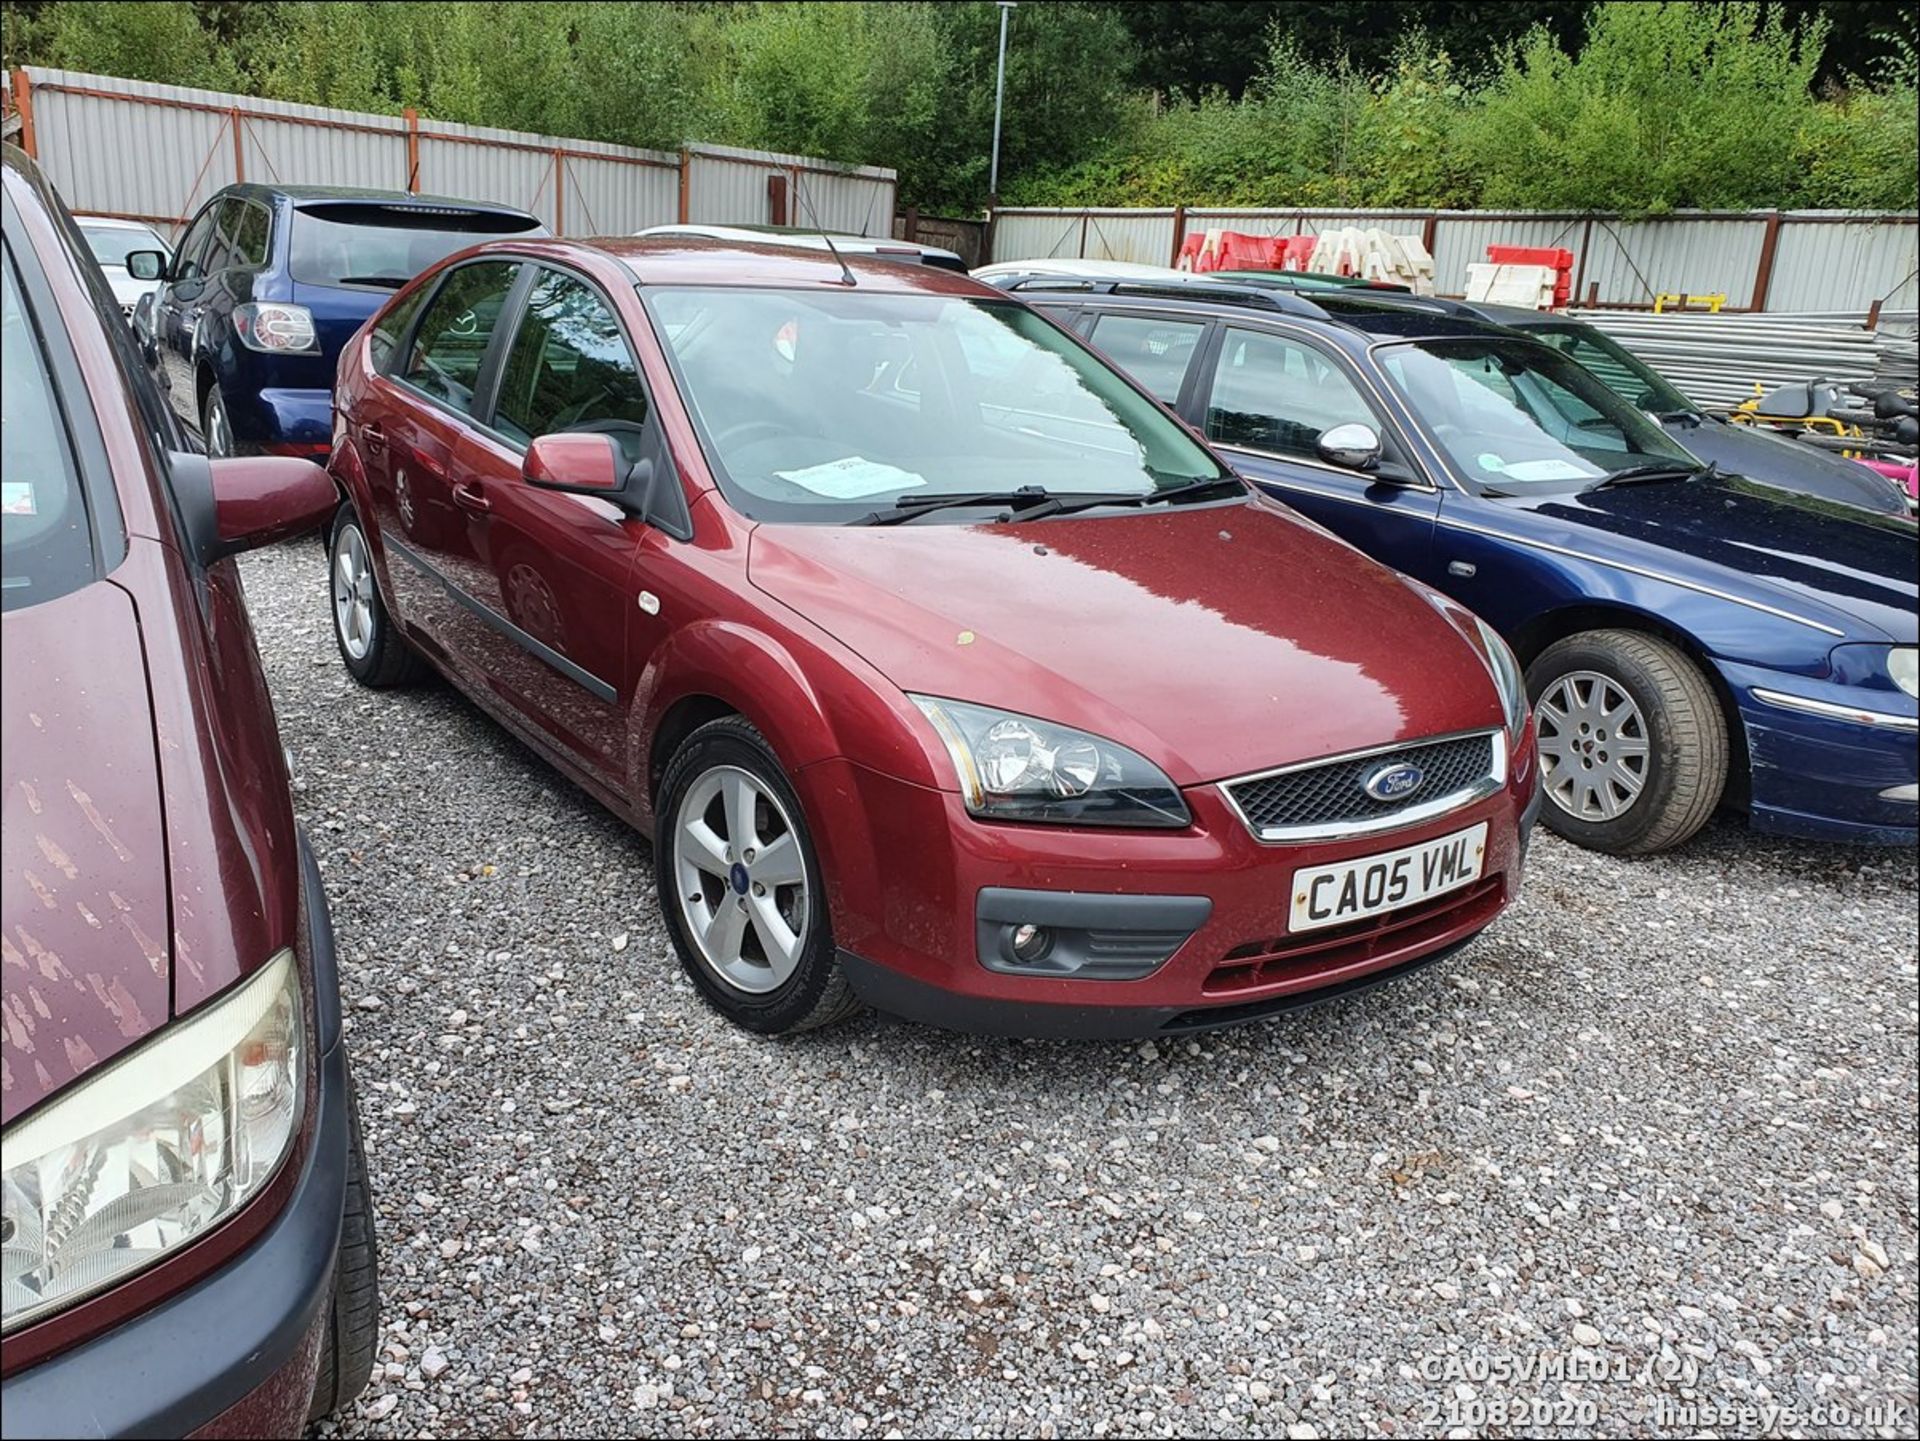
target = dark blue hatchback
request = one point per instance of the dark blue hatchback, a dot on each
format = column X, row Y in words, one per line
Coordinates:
column 1691, row 638
column 267, row 285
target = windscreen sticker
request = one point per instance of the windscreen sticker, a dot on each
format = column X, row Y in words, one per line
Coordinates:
column 852, row 478
column 16, row 498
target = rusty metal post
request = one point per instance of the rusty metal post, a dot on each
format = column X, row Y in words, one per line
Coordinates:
column 1179, row 232
column 776, row 199
column 1763, row 272
column 413, row 150
column 239, row 146
column 1084, row 218
column 1429, row 231
column 913, row 223
column 1586, row 244
column 686, row 177
column 559, row 192
column 23, row 104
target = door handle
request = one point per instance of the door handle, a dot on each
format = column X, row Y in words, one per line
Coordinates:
column 374, row 438
column 469, row 498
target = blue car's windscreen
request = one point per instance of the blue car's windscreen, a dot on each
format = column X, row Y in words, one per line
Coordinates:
column 1515, row 417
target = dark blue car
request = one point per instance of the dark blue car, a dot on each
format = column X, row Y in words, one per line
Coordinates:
column 1691, row 638
column 268, row 283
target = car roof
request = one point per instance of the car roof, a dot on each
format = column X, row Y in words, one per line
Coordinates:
column 112, row 222
column 688, row 259
column 1365, row 315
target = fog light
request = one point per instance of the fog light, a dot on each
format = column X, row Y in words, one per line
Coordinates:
column 1031, row 943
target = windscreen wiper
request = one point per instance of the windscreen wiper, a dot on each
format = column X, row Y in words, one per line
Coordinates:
column 1191, row 490
column 1657, row 470
column 909, row 506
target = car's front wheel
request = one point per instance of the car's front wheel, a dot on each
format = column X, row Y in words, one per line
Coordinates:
column 373, row 650
column 1633, row 744
column 353, row 1316
column 740, row 885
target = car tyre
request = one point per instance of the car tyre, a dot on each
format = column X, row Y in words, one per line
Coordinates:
column 353, row 1316
column 216, row 427
column 766, row 987
column 1651, row 780
column 370, row 644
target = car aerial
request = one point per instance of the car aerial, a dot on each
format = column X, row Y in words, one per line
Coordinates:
column 110, row 239
column 1690, row 637
column 1747, row 450
column 188, row 1240
column 266, row 286
column 906, row 252
column 945, row 670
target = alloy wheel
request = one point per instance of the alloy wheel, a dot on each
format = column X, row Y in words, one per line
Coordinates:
column 219, row 432
column 1594, row 749
column 742, row 879
column 353, row 592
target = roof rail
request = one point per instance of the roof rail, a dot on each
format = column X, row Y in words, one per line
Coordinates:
column 1215, row 292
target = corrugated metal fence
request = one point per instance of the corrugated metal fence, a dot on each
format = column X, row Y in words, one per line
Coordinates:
column 155, row 152
column 1759, row 260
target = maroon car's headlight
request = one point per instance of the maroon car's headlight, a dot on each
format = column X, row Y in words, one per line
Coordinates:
column 155, row 1149
column 1019, row 768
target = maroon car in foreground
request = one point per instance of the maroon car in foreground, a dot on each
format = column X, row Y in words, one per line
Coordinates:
column 187, row 1240
column 947, row 670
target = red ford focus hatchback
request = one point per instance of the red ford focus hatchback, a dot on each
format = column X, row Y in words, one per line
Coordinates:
column 948, row 672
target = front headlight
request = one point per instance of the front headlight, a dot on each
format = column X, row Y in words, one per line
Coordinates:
column 1507, row 678
column 156, row 1149
column 1015, row 768
column 1903, row 664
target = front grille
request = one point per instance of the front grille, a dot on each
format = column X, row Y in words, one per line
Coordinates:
column 1329, row 797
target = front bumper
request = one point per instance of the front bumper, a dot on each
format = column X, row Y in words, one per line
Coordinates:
column 1820, row 775
column 236, row 1353
column 913, row 882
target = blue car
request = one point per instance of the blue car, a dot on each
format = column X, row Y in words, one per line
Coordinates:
column 1691, row 638
column 266, row 286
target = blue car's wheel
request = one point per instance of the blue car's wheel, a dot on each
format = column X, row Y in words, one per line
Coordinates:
column 1633, row 746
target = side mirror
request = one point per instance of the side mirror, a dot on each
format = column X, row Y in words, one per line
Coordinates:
column 584, row 462
column 261, row 499
column 147, row 264
column 1351, row 446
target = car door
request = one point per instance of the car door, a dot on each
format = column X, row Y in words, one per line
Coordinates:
column 419, row 433
column 175, row 312
column 1265, row 397
column 560, row 567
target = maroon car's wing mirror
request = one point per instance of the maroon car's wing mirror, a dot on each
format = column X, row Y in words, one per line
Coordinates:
column 261, row 499
column 587, row 462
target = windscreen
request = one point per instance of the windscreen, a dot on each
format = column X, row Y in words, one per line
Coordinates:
column 1515, row 417
column 384, row 246
column 111, row 243
column 1624, row 373
column 46, row 539
column 829, row 405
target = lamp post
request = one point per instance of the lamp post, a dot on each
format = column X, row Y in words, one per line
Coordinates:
column 999, row 95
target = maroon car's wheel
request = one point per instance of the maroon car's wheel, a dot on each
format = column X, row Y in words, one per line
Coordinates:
column 353, row 1318
column 740, row 886
column 374, row 653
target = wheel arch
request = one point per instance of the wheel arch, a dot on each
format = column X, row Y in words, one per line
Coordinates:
column 1545, row 629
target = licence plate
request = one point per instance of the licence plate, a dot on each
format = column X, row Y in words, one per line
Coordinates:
column 1354, row 890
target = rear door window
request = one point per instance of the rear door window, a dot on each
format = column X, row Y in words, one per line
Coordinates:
column 451, row 343
column 385, row 246
column 46, row 540
column 1153, row 349
column 570, row 368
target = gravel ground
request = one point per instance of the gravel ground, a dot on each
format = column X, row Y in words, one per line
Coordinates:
column 1651, row 1144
